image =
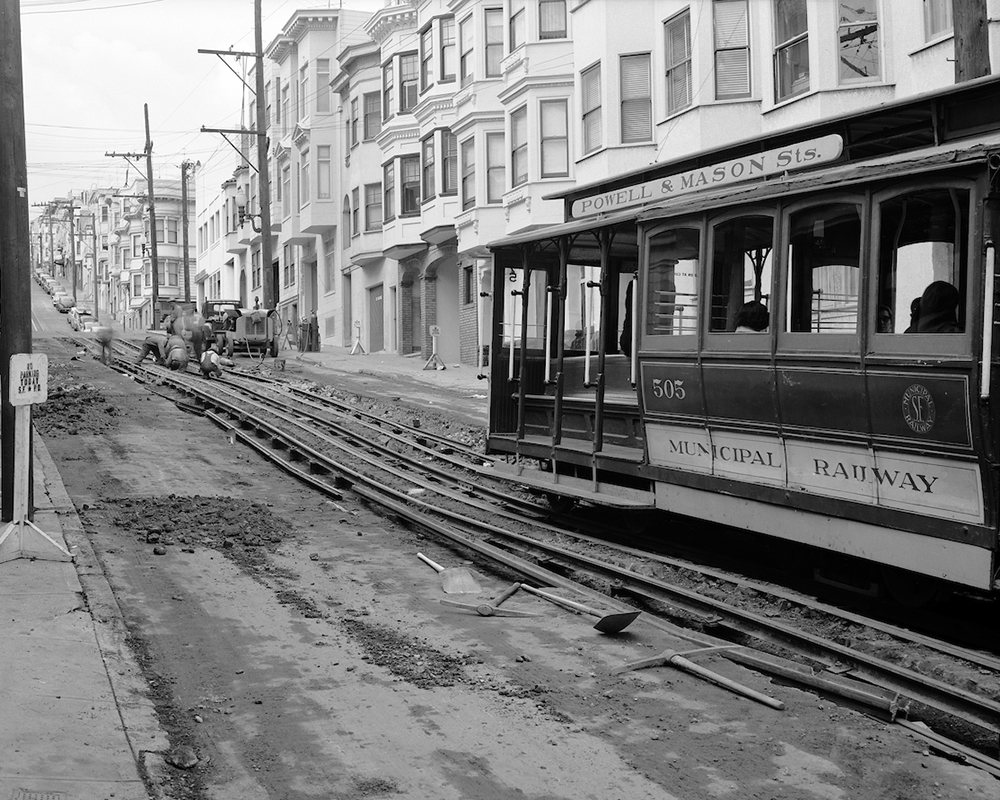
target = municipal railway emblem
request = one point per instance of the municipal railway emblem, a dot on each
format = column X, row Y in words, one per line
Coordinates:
column 918, row 408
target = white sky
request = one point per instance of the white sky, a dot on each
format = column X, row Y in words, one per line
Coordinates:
column 90, row 65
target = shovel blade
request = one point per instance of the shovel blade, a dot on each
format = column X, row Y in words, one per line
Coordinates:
column 615, row 623
column 458, row 580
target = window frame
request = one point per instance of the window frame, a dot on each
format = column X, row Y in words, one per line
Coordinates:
column 932, row 9
column 355, row 212
column 519, row 150
column 679, row 343
column 389, row 191
column 638, row 101
column 683, row 64
column 409, row 81
column 449, row 163
column 848, row 344
column 730, row 340
column 543, row 139
column 425, row 41
column 721, row 48
column 323, row 104
column 409, row 185
column 495, row 48
column 545, row 35
column 428, row 161
column 468, row 178
column 842, row 31
column 466, row 56
column 517, row 28
column 448, row 33
column 595, row 110
column 786, row 46
column 373, row 190
column 501, row 165
column 324, row 172
column 373, row 115
column 919, row 345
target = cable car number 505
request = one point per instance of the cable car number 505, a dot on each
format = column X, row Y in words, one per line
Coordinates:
column 668, row 389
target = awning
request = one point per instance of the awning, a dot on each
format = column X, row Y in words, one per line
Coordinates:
column 563, row 229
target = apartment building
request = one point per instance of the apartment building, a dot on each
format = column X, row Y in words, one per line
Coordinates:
column 450, row 124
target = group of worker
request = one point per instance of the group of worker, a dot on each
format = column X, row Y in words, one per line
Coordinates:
column 169, row 348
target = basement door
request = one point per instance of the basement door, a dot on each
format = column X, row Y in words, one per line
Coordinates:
column 376, row 319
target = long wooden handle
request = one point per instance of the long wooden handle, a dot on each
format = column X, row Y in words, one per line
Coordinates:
column 426, row 560
column 562, row 601
column 505, row 595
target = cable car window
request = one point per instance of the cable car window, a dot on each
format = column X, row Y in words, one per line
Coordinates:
column 923, row 250
column 741, row 275
column 824, row 256
column 515, row 320
column 672, row 283
column 582, row 320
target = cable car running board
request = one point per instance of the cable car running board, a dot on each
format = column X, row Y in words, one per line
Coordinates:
column 606, row 494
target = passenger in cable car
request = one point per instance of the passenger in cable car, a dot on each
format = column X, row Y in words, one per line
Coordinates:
column 625, row 342
column 939, row 309
column 884, row 319
column 752, row 317
column 914, row 315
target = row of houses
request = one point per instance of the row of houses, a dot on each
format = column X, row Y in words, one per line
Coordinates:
column 402, row 143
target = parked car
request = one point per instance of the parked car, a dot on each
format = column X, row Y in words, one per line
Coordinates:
column 79, row 316
column 51, row 284
column 63, row 302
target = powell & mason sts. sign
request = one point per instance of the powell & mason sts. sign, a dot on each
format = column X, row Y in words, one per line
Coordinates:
column 809, row 153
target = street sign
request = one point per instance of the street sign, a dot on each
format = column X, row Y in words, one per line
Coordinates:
column 29, row 378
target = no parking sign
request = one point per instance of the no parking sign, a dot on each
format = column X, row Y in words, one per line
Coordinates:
column 29, row 378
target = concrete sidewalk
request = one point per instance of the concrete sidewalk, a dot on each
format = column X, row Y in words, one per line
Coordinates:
column 75, row 722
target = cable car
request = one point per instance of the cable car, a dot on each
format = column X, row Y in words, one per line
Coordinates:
column 793, row 335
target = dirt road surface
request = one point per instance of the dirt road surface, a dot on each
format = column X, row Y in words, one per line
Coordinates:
column 295, row 647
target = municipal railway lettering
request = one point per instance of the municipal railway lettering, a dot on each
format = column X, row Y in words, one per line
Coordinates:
column 862, row 473
column 734, row 455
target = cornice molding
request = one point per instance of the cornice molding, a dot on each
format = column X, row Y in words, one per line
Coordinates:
column 385, row 22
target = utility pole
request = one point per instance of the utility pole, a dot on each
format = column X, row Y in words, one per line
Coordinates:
column 269, row 289
column 972, row 46
column 15, row 281
column 72, row 250
column 184, row 229
column 52, row 246
column 152, row 223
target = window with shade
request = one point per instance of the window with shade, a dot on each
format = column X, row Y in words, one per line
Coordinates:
column 389, row 191
column 496, row 168
column 518, row 24
column 555, row 139
column 678, row 59
column 519, row 146
column 590, row 83
column 466, row 39
column 493, row 19
column 447, row 65
column 938, row 19
column 449, row 163
column 468, row 173
column 552, row 19
column 636, row 99
column 732, row 49
column 373, row 207
column 409, row 184
column 323, row 85
column 427, row 156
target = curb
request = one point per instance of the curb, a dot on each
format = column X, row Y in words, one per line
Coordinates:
column 140, row 726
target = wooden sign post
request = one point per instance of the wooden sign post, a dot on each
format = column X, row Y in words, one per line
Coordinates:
column 29, row 379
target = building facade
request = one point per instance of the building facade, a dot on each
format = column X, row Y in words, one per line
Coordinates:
column 404, row 142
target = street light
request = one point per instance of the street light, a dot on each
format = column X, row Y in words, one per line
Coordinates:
column 241, row 208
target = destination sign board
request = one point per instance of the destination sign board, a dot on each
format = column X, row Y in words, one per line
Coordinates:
column 809, row 153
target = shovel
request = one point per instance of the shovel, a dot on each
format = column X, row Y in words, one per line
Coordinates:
column 492, row 609
column 606, row 623
column 454, row 580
